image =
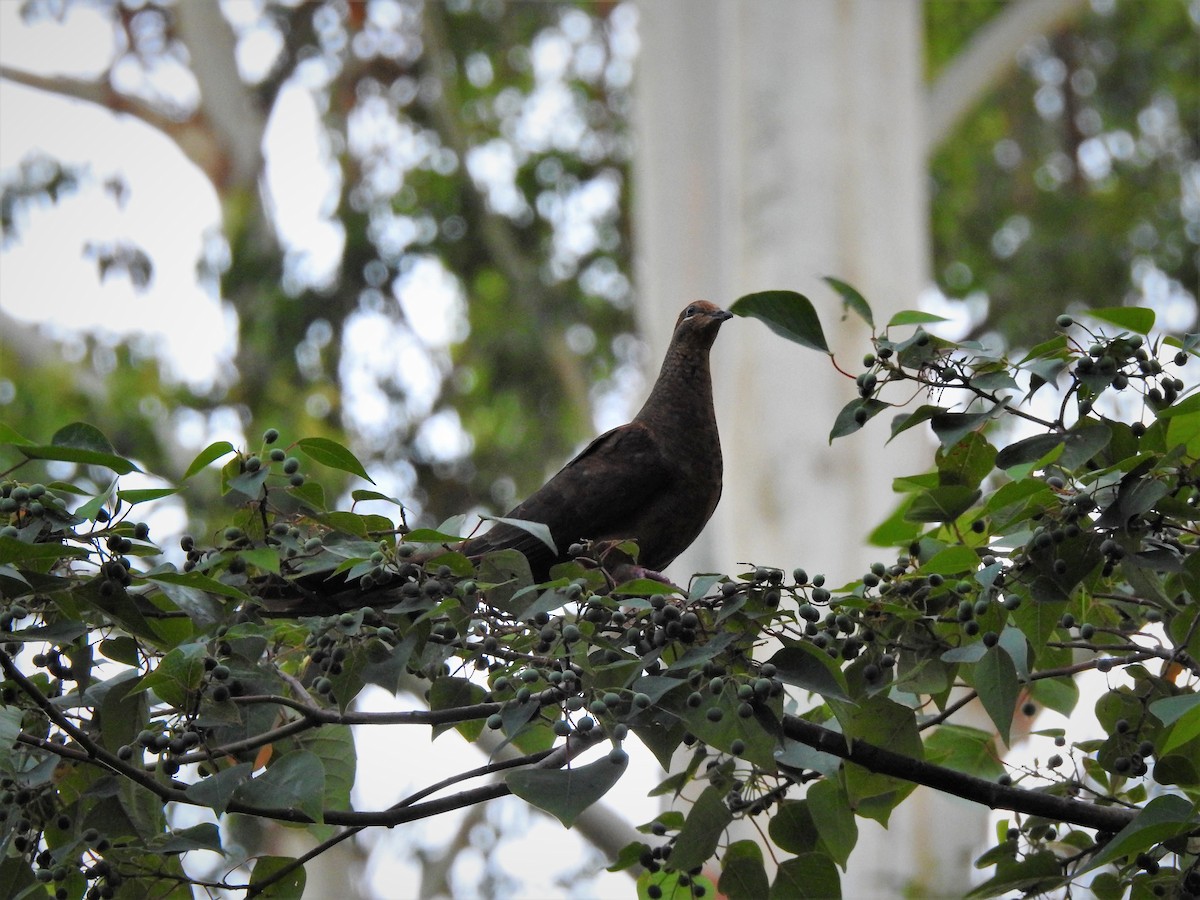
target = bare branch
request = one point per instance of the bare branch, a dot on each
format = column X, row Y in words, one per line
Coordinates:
column 193, row 137
column 986, row 59
column 225, row 100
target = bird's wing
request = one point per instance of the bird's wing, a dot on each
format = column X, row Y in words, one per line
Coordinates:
column 606, row 485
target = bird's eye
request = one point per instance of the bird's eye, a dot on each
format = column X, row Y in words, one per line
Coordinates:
column 689, row 312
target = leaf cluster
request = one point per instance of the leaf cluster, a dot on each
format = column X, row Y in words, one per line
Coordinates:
column 222, row 675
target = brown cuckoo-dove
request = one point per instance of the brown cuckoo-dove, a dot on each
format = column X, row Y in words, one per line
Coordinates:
column 654, row 481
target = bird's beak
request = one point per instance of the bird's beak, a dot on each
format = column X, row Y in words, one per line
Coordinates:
column 721, row 315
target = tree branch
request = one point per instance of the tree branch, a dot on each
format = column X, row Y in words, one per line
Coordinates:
column 495, row 231
column 226, row 101
column 191, row 135
column 969, row 787
column 96, row 92
column 986, row 59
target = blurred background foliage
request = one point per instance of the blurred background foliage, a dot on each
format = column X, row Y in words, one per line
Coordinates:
column 1077, row 182
column 468, row 320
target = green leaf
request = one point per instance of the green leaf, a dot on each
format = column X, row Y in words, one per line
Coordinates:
column 921, row 414
column 943, row 504
column 1107, row 886
column 199, row 582
column 1079, row 445
column 309, row 496
column 967, row 462
column 810, row 668
column 1138, row 319
column 895, row 530
column 1043, row 372
column 178, row 673
column 431, row 536
column 13, row 550
column 1184, row 407
column 1136, row 495
column 17, row 879
column 1162, row 818
column 792, row 828
column 834, row 819
column 743, row 875
column 951, row 561
column 788, row 314
column 348, row 523
column 1058, row 694
column 451, row 693
column 332, row 454
column 209, row 454
column 334, row 747
column 914, row 317
column 217, row 790
column 265, row 558
column 205, row 836
column 756, row 732
column 884, row 723
column 10, row 726
column 249, row 484
column 10, row 436
column 995, row 381
column 628, row 857
column 644, row 587
column 1182, row 430
column 566, row 793
column 80, row 443
column 796, row 755
column 701, row 833
column 1054, row 348
column 964, row 749
column 997, row 686
column 852, row 299
column 290, row 887
column 951, row 427
column 847, row 421
column 1033, row 874
column 1183, row 713
column 1169, row 710
column 359, row 495
column 967, row 653
column 703, row 653
column 656, row 686
column 537, row 529
column 508, row 572
column 142, row 495
column 91, row 509
column 294, row 781
column 119, row 706
column 810, row 875
column 82, row 436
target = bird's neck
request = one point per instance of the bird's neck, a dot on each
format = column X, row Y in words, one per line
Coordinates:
column 683, row 391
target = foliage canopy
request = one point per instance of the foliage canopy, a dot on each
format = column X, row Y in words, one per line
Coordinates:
column 1024, row 561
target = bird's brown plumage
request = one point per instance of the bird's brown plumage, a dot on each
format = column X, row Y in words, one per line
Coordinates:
column 655, row 481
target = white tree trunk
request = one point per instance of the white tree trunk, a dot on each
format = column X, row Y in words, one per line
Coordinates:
column 779, row 141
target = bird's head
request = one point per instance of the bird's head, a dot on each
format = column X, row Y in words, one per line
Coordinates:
column 699, row 322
